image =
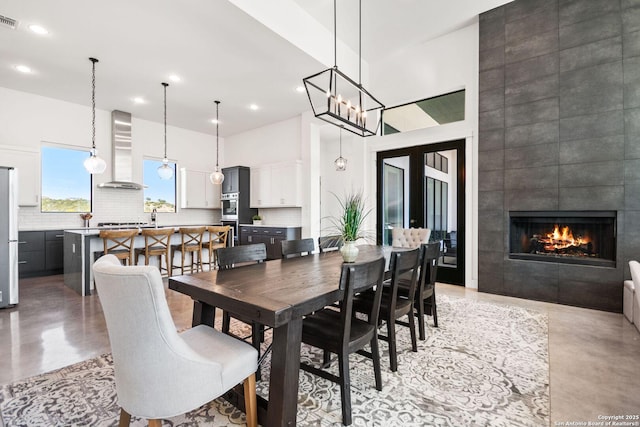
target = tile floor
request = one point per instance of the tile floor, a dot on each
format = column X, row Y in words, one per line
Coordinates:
column 594, row 356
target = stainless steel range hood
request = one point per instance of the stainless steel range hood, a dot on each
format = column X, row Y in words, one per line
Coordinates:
column 122, row 157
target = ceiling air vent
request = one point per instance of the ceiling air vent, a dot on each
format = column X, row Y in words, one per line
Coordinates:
column 8, row 22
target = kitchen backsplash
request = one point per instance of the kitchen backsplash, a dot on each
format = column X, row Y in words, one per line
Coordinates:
column 113, row 205
column 281, row 216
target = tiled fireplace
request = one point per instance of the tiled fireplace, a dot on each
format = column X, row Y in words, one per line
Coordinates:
column 559, row 138
column 567, row 237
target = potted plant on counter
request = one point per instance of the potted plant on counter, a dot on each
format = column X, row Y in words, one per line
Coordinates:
column 257, row 220
column 350, row 224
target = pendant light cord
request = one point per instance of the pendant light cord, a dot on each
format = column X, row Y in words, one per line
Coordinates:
column 340, row 141
column 217, row 126
column 93, row 103
column 360, row 42
column 165, row 118
column 335, row 37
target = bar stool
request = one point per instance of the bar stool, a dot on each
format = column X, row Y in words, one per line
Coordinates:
column 119, row 243
column 191, row 243
column 217, row 239
column 156, row 243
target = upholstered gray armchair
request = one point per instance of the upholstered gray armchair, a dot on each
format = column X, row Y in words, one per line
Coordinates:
column 158, row 372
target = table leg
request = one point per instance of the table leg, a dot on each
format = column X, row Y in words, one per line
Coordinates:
column 203, row 314
column 285, row 367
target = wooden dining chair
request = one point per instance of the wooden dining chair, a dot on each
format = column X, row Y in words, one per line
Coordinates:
column 395, row 305
column 218, row 235
column 234, row 257
column 425, row 295
column 156, row 243
column 296, row 248
column 119, row 243
column 341, row 333
column 190, row 243
column 329, row 243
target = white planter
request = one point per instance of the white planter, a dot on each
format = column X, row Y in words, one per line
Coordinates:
column 349, row 251
column 257, row 222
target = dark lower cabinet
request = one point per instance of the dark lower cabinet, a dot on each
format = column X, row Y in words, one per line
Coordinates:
column 270, row 236
column 40, row 253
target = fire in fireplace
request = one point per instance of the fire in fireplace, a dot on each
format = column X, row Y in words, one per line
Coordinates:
column 565, row 237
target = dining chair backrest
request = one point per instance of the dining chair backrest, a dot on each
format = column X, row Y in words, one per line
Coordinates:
column 403, row 264
column 409, row 237
column 296, row 248
column 356, row 278
column 329, row 243
column 430, row 253
column 146, row 346
column 229, row 257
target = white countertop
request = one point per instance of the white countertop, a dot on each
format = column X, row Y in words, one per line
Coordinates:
column 271, row 225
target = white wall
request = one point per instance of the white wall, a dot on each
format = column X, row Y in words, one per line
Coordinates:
column 28, row 121
column 433, row 68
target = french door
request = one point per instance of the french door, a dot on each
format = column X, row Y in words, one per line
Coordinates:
column 423, row 187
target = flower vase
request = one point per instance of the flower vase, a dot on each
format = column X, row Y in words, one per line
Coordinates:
column 349, row 251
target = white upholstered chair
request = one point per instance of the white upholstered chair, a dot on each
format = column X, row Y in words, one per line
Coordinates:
column 409, row 237
column 634, row 266
column 159, row 373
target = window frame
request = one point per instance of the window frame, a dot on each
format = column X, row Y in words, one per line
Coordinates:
column 147, row 186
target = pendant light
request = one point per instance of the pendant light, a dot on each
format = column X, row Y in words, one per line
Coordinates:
column 341, row 162
column 165, row 171
column 337, row 99
column 216, row 176
column 94, row 164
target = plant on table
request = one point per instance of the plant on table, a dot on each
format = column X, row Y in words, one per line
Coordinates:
column 350, row 223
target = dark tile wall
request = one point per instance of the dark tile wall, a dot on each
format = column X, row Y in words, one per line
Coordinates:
column 559, row 129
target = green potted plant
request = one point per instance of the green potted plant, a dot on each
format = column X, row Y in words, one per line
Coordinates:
column 257, row 220
column 350, row 223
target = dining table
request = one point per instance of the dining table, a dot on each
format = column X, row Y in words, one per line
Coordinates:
column 277, row 294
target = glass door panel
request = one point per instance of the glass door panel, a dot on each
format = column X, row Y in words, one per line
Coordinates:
column 431, row 195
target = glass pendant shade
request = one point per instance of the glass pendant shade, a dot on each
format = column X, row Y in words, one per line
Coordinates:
column 94, row 164
column 165, row 171
column 341, row 164
column 216, row 176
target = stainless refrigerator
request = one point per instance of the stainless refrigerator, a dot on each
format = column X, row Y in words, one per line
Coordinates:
column 8, row 237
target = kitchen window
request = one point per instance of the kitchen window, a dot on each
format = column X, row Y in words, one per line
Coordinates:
column 66, row 185
column 158, row 193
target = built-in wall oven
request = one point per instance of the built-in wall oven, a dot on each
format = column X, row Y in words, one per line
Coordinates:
column 229, row 206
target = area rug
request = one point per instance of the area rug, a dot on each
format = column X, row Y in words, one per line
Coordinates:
column 486, row 365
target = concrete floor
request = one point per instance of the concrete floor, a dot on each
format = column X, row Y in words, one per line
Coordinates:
column 593, row 355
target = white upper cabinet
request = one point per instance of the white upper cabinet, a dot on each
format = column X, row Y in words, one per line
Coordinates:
column 27, row 163
column 197, row 191
column 276, row 185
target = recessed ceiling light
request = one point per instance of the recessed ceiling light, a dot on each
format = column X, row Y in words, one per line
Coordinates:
column 214, row 121
column 174, row 78
column 38, row 29
column 139, row 100
column 23, row 69
column 300, row 89
column 254, row 107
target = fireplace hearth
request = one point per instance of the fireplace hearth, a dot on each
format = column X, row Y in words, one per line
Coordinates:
column 570, row 237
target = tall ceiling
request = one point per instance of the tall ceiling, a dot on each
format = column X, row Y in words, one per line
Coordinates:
column 222, row 49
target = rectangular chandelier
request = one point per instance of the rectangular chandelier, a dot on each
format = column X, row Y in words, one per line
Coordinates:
column 337, row 99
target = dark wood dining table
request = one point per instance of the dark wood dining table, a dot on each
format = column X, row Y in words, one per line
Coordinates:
column 278, row 294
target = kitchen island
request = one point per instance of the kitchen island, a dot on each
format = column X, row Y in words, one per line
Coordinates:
column 80, row 246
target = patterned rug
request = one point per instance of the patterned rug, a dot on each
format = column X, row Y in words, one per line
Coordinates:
column 486, row 365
